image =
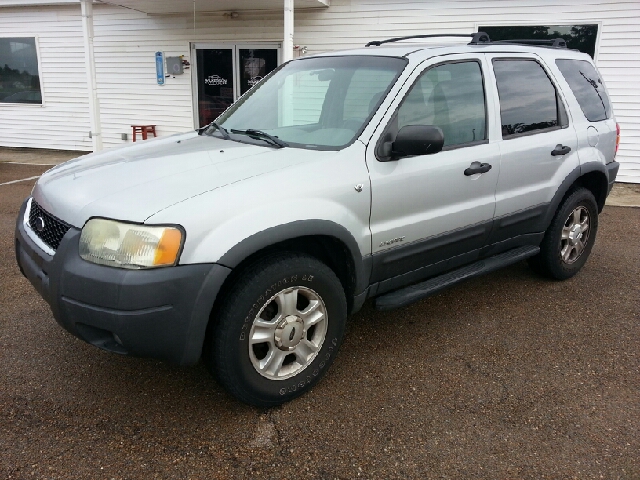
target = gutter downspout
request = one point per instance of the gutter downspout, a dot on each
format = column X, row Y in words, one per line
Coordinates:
column 90, row 65
column 287, row 44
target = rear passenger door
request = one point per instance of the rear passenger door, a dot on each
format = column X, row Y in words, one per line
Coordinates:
column 424, row 209
column 538, row 148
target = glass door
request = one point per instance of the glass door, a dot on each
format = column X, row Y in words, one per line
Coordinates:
column 254, row 64
column 225, row 72
column 215, row 82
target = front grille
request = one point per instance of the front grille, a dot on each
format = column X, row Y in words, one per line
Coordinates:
column 47, row 228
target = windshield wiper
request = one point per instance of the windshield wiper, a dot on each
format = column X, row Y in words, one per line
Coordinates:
column 260, row 135
column 215, row 126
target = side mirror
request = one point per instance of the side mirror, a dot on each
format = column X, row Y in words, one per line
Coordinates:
column 417, row 140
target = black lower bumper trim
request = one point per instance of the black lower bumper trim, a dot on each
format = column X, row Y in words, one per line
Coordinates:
column 612, row 173
column 161, row 313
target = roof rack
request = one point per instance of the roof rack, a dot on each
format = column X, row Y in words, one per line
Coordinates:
column 480, row 38
column 476, row 38
column 552, row 42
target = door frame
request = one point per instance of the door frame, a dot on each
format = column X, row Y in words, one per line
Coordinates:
column 235, row 47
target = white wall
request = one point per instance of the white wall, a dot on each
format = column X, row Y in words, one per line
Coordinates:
column 126, row 40
column 62, row 122
column 125, row 44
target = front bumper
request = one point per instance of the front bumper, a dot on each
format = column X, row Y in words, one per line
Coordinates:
column 161, row 313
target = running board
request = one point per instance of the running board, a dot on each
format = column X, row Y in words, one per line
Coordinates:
column 413, row 293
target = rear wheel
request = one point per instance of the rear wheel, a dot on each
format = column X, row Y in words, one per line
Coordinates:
column 279, row 329
column 570, row 237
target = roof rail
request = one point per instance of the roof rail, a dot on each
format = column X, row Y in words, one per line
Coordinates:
column 552, row 42
column 476, row 38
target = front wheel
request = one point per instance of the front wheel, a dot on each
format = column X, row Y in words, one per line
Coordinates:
column 278, row 330
column 570, row 237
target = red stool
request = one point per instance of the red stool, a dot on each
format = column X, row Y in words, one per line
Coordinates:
column 143, row 129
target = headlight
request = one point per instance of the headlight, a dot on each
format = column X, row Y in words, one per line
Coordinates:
column 127, row 245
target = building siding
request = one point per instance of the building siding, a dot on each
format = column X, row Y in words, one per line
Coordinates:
column 126, row 40
column 62, row 121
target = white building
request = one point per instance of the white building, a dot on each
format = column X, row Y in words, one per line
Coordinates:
column 90, row 77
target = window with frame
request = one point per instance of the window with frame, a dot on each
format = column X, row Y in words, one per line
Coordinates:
column 19, row 75
column 578, row 37
column 529, row 102
column 450, row 96
column 587, row 87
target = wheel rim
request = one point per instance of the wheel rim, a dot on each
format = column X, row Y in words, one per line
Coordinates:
column 287, row 333
column 575, row 235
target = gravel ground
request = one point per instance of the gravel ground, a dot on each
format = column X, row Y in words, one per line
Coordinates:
column 505, row 376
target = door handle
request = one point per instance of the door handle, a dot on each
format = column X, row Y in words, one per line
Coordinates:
column 560, row 150
column 477, row 167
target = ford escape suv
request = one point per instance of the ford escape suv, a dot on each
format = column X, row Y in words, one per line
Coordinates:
column 386, row 172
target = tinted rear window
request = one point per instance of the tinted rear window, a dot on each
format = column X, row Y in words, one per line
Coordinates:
column 588, row 88
column 528, row 100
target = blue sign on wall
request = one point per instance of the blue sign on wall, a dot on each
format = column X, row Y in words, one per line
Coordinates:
column 160, row 68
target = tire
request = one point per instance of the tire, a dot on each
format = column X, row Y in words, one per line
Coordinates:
column 570, row 237
column 294, row 303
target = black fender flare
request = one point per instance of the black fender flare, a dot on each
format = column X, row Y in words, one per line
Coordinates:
column 302, row 228
column 569, row 181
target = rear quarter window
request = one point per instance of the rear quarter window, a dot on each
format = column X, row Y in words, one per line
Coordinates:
column 587, row 87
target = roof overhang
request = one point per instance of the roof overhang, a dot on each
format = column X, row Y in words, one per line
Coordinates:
column 173, row 7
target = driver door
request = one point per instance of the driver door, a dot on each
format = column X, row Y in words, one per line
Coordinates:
column 427, row 215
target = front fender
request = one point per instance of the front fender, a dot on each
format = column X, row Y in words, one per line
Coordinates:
column 314, row 197
column 296, row 229
column 240, row 236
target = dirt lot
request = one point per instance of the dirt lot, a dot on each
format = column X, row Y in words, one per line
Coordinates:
column 505, row 376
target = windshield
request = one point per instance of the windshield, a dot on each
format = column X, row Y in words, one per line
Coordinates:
column 317, row 103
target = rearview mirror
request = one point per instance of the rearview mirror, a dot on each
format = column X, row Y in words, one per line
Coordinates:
column 418, row 140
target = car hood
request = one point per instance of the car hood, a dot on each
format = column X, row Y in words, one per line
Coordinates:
column 135, row 182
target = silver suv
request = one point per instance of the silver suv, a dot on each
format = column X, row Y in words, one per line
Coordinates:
column 387, row 172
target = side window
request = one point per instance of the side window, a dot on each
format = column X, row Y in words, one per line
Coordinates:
column 587, row 86
column 528, row 100
column 450, row 96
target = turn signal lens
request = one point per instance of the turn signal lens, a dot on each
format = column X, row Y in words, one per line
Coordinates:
column 127, row 245
column 617, row 138
column 168, row 247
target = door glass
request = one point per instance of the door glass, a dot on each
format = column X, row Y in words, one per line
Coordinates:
column 215, row 83
column 528, row 99
column 450, row 96
column 254, row 65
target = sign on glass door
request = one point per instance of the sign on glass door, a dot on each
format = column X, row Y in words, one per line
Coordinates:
column 254, row 65
column 226, row 73
column 215, row 83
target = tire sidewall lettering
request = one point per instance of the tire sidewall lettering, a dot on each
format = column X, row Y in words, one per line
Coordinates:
column 233, row 359
column 295, row 383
